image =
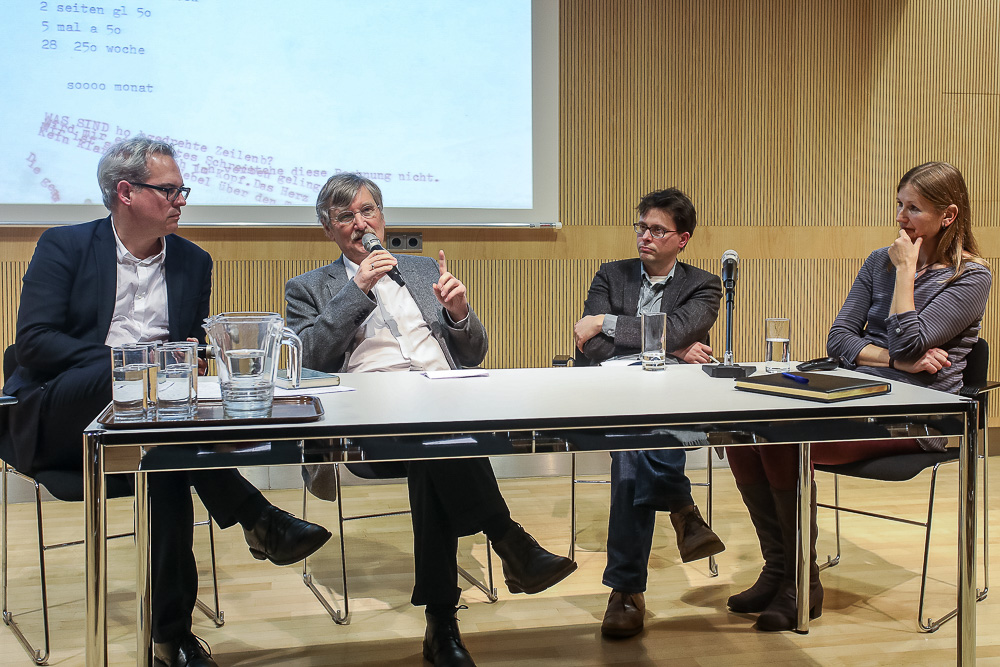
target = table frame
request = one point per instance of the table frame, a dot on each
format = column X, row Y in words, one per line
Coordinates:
column 341, row 437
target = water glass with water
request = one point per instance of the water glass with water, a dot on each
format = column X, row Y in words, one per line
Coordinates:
column 777, row 357
column 133, row 381
column 654, row 330
column 177, row 373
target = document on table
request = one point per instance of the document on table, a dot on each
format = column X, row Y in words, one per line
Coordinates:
column 461, row 373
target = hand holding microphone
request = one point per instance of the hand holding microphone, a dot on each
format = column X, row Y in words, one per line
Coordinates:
column 379, row 262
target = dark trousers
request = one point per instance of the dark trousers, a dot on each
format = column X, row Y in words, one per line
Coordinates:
column 449, row 498
column 71, row 401
column 642, row 482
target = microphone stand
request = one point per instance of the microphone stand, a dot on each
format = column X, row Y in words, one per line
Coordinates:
column 728, row 369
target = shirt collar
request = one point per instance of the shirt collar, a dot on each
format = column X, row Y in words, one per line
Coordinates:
column 351, row 267
column 646, row 279
column 125, row 257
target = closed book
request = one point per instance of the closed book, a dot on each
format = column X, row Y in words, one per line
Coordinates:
column 820, row 386
column 310, row 378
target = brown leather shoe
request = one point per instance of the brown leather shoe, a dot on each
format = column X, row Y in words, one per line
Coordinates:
column 695, row 540
column 624, row 616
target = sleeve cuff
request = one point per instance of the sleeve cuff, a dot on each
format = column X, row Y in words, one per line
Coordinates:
column 461, row 324
column 608, row 326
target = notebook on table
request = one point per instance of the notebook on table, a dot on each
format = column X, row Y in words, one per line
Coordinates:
column 819, row 386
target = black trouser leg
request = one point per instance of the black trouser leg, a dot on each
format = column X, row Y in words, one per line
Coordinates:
column 72, row 400
column 174, row 571
column 448, row 499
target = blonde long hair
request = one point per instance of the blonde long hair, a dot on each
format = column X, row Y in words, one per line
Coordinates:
column 943, row 185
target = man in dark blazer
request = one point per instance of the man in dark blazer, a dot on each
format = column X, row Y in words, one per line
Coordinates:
column 120, row 279
column 352, row 315
column 643, row 482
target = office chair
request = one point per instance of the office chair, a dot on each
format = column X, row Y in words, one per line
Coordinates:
column 66, row 486
column 381, row 470
column 902, row 467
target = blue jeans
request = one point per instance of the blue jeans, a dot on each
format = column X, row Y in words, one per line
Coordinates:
column 642, row 482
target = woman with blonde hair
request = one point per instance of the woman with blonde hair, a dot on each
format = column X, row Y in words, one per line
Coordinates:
column 912, row 315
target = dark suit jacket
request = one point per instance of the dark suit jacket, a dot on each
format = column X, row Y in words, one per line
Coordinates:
column 690, row 300
column 67, row 302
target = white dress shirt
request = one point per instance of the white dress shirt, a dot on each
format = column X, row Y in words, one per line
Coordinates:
column 395, row 336
column 140, row 297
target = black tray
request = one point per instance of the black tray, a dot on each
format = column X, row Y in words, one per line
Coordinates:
column 284, row 410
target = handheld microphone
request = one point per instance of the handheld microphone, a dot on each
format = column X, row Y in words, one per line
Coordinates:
column 371, row 244
column 730, row 269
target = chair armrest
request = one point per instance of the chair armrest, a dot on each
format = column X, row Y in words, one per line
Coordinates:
column 563, row 360
column 970, row 391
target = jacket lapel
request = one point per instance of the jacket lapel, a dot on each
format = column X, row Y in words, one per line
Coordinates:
column 106, row 263
column 424, row 298
column 630, row 289
column 673, row 289
column 176, row 288
column 337, row 271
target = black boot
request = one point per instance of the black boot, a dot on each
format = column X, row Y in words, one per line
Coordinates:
column 527, row 567
column 443, row 644
column 781, row 613
column 760, row 504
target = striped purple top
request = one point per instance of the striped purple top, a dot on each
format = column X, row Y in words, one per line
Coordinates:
column 947, row 315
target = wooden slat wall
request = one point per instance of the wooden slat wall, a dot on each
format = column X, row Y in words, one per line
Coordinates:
column 787, row 122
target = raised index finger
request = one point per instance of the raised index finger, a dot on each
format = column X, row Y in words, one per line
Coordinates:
column 442, row 262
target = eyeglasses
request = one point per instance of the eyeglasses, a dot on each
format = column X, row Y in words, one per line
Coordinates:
column 171, row 193
column 655, row 232
column 367, row 212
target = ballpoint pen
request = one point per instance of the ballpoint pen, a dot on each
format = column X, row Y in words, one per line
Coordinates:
column 796, row 378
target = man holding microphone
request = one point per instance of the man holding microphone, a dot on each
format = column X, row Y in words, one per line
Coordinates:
column 372, row 311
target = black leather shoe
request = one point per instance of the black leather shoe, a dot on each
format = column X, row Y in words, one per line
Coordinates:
column 283, row 539
column 527, row 567
column 443, row 644
column 189, row 651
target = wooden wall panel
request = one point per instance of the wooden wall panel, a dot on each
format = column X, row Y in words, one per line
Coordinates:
column 787, row 122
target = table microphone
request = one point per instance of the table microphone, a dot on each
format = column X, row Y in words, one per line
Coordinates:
column 371, row 244
column 728, row 368
column 730, row 269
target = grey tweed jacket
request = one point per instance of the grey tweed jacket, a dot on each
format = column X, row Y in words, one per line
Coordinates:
column 325, row 309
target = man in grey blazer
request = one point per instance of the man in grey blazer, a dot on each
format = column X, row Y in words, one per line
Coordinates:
column 377, row 312
column 643, row 482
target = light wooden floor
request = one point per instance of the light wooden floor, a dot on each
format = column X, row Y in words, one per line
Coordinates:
column 272, row 619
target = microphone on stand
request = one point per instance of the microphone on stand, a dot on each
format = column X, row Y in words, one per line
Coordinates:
column 729, row 369
column 730, row 270
column 371, row 244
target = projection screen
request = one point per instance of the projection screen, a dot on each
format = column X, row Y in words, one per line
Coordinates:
column 451, row 106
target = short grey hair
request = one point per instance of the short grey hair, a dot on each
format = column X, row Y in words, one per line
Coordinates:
column 127, row 160
column 340, row 191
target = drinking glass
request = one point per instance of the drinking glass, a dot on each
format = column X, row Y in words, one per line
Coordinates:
column 654, row 330
column 133, row 381
column 177, row 370
column 776, row 351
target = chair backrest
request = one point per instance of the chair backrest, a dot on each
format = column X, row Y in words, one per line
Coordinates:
column 977, row 365
column 9, row 362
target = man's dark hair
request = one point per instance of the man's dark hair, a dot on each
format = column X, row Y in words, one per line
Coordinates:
column 674, row 202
